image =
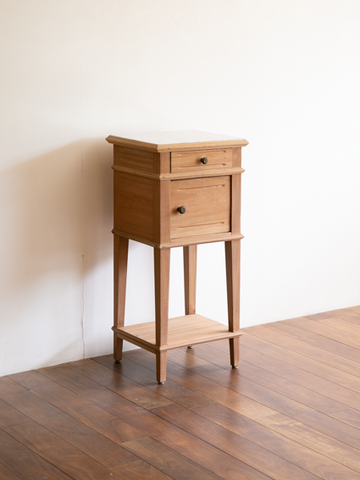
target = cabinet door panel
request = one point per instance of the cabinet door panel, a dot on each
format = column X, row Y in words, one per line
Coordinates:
column 207, row 206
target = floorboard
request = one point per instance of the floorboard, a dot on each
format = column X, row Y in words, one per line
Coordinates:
column 290, row 411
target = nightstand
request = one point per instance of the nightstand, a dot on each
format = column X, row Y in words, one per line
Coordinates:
column 176, row 189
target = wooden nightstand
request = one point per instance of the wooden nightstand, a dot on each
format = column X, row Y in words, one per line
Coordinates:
column 176, row 189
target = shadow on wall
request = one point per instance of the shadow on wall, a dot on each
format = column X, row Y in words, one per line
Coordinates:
column 56, row 219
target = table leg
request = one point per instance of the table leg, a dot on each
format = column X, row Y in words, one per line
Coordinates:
column 190, row 278
column 162, row 277
column 121, row 246
column 232, row 255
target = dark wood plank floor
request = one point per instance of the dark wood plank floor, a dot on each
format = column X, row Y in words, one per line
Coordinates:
column 290, row 412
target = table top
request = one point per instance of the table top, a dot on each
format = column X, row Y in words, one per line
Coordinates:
column 177, row 140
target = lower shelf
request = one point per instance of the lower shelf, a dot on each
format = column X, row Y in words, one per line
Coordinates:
column 182, row 331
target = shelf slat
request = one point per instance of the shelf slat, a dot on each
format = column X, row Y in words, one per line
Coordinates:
column 182, row 331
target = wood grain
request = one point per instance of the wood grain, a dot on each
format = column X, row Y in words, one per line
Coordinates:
column 278, row 444
column 331, row 331
column 23, row 463
column 82, row 378
column 162, row 275
column 175, row 189
column 179, row 175
column 121, row 246
column 175, row 141
column 80, row 436
column 207, row 203
column 56, row 451
column 291, row 410
column 283, row 423
column 232, row 256
column 134, row 199
column 190, row 259
column 136, row 159
column 7, row 474
column 320, row 341
column 291, row 382
column 85, row 411
column 237, row 446
column 351, row 314
column 140, row 470
column 195, row 449
column 312, row 350
column 180, row 242
column 288, row 359
column 161, row 212
column 345, row 325
column 142, row 375
column 185, row 330
column 168, row 461
column 191, row 161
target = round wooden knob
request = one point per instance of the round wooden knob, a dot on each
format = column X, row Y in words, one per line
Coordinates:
column 181, row 210
column 204, row 160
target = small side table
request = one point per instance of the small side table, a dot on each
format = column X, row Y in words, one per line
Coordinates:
column 176, row 189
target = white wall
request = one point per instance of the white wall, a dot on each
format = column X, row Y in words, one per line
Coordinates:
column 282, row 74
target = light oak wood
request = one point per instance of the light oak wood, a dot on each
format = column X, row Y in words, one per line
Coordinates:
column 162, row 209
column 134, row 199
column 207, row 203
column 185, row 330
column 232, row 254
column 162, row 273
column 163, row 165
column 177, row 141
column 235, row 203
column 179, row 175
column 133, row 158
column 179, row 242
column 190, row 258
column 191, row 161
column 176, row 189
column 236, row 158
column 121, row 246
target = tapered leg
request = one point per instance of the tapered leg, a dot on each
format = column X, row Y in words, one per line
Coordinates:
column 162, row 272
column 161, row 358
column 190, row 278
column 232, row 254
column 121, row 246
column 234, row 352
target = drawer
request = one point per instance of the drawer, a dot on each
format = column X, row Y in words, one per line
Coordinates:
column 207, row 206
column 201, row 160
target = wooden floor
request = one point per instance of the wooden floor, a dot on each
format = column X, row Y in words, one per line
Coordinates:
column 291, row 411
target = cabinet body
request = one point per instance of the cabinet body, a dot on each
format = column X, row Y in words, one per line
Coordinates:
column 176, row 189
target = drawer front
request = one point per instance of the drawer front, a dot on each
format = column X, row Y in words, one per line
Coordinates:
column 201, row 160
column 207, row 206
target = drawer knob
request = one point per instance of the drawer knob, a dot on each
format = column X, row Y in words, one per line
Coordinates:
column 181, row 210
column 204, row 160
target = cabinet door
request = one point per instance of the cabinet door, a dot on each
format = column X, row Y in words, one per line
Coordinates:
column 205, row 203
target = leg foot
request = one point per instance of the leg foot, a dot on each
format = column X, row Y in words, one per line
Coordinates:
column 190, row 347
column 118, row 347
column 161, row 358
column 234, row 352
